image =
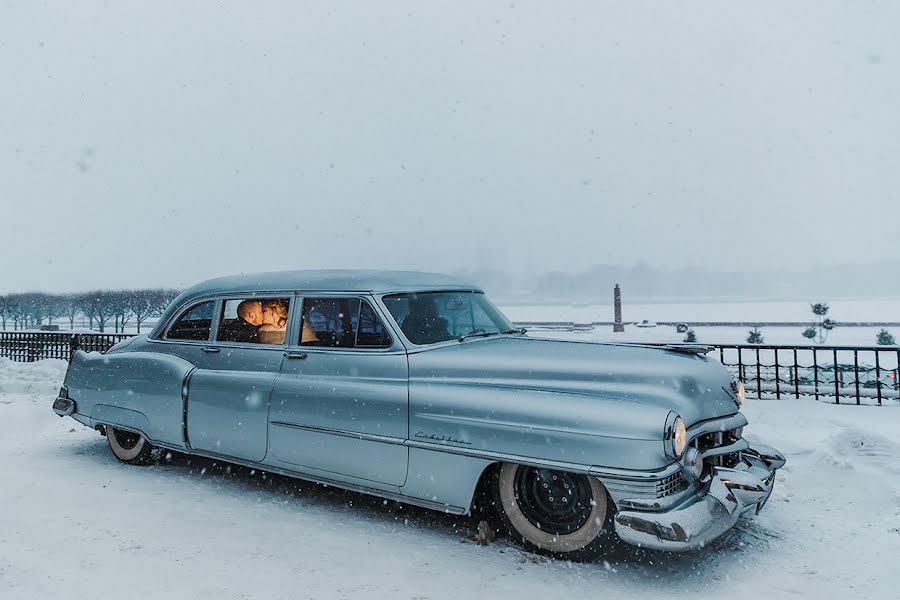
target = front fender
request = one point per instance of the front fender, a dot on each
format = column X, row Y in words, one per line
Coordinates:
column 561, row 427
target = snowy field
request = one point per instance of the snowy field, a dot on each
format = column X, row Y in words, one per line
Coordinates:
column 74, row 523
column 856, row 309
column 847, row 310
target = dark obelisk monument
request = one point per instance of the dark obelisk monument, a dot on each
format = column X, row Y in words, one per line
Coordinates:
column 618, row 327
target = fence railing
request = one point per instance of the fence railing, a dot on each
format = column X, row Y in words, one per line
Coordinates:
column 31, row 347
column 841, row 374
column 858, row 374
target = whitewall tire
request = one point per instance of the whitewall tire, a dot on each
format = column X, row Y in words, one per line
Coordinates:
column 566, row 515
column 132, row 448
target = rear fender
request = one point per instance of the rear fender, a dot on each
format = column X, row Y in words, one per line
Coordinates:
column 141, row 391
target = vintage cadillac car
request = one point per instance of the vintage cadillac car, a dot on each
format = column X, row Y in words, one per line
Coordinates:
column 414, row 387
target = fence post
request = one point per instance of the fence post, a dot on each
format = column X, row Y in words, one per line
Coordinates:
column 796, row 376
column 837, row 378
column 32, row 347
column 74, row 344
column 777, row 377
column 758, row 377
column 877, row 376
column 816, row 372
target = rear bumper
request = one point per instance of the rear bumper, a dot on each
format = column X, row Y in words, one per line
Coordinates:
column 725, row 495
column 64, row 407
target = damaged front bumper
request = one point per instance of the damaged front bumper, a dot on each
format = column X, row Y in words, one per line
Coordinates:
column 712, row 509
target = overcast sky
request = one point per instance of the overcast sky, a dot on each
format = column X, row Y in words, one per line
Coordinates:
column 147, row 143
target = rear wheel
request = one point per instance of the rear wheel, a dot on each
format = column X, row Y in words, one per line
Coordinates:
column 566, row 515
column 132, row 448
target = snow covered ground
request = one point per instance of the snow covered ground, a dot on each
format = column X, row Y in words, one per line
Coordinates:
column 74, row 523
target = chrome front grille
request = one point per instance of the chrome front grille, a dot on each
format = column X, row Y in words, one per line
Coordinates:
column 719, row 448
column 670, row 485
column 649, row 489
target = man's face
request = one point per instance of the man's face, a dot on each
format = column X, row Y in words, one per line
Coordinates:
column 253, row 315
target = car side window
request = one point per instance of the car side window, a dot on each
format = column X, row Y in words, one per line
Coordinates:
column 193, row 324
column 342, row 323
column 254, row 320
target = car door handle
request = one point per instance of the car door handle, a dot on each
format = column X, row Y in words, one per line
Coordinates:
column 211, row 349
column 295, row 354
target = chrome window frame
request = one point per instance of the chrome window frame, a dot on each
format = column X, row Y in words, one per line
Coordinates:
column 177, row 317
column 221, row 299
column 396, row 345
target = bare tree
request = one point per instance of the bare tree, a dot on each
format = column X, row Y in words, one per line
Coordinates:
column 166, row 298
column 28, row 309
column 70, row 308
column 99, row 306
column 55, row 306
column 144, row 304
column 6, row 309
column 121, row 300
column 15, row 310
column 31, row 309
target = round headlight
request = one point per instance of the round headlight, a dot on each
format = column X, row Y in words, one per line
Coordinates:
column 740, row 392
column 680, row 437
column 675, row 436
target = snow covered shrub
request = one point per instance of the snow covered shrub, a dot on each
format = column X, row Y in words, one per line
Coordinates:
column 818, row 331
column 756, row 336
column 691, row 336
column 884, row 338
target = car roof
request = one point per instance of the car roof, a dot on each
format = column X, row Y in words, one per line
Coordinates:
column 332, row 280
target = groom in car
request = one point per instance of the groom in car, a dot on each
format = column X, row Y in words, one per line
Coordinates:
column 269, row 317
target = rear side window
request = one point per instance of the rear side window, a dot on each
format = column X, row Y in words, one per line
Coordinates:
column 193, row 324
column 254, row 320
column 342, row 323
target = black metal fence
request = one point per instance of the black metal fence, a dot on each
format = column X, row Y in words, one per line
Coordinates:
column 841, row 374
column 857, row 374
column 31, row 347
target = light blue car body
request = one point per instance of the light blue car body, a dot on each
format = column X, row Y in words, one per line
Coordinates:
column 419, row 424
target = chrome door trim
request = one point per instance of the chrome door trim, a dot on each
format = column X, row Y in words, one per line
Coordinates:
column 450, row 448
column 371, row 437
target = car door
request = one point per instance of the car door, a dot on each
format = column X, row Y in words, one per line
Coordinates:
column 228, row 393
column 341, row 403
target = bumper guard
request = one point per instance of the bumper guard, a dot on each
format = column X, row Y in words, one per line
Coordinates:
column 727, row 494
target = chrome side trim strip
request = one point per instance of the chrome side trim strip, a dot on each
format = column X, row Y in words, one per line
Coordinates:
column 595, row 470
column 386, row 439
column 602, row 472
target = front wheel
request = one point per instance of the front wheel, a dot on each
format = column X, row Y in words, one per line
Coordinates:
column 562, row 514
column 132, row 448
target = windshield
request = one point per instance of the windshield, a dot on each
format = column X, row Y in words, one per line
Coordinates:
column 432, row 317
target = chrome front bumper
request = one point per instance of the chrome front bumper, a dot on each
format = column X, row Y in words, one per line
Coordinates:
column 722, row 497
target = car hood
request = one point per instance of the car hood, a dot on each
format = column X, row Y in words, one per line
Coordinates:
column 694, row 386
